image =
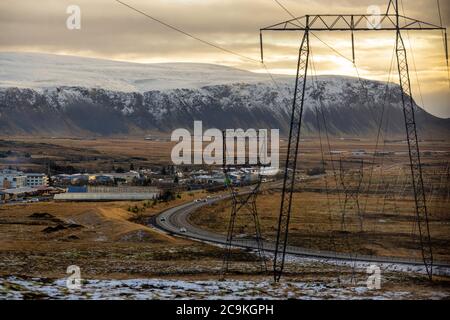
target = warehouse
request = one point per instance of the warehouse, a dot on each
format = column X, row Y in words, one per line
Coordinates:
column 107, row 196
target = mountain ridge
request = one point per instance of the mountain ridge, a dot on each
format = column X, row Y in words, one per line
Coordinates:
column 234, row 99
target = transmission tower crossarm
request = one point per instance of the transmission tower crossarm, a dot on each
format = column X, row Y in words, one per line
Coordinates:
column 352, row 22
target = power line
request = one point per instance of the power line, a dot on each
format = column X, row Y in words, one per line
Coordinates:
column 386, row 95
column 439, row 10
column 414, row 61
column 186, row 33
column 319, row 98
column 444, row 39
column 271, row 76
column 208, row 43
column 330, row 47
column 313, row 34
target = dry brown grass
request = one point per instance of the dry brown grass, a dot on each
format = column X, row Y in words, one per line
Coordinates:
column 111, row 245
column 101, row 153
column 100, row 238
column 316, row 223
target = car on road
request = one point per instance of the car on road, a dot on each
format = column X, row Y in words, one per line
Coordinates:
column 162, row 219
column 183, row 230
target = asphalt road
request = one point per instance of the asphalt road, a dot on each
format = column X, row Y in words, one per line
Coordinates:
column 175, row 221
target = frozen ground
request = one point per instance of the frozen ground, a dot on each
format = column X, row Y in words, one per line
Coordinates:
column 38, row 70
column 142, row 289
column 362, row 265
column 353, row 263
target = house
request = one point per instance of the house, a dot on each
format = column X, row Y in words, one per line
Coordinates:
column 126, row 177
column 101, row 179
column 209, row 179
column 337, row 152
column 358, row 153
column 16, row 193
column 10, row 179
column 236, row 177
column 37, row 180
column 79, row 179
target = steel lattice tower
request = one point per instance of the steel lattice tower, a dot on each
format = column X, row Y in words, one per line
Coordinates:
column 352, row 23
column 247, row 200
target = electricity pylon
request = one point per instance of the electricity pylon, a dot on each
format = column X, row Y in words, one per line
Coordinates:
column 351, row 185
column 247, row 200
column 353, row 23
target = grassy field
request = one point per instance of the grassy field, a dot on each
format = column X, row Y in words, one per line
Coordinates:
column 102, row 154
column 109, row 242
column 104, row 239
column 384, row 225
column 106, row 243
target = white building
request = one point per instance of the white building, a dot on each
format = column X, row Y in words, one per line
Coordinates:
column 358, row 153
column 10, row 179
column 37, row 180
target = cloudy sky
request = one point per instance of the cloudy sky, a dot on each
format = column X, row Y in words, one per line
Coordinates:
column 113, row 31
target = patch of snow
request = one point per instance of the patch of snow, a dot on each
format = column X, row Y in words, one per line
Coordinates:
column 143, row 289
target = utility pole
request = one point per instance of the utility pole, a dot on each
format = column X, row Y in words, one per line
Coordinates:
column 351, row 23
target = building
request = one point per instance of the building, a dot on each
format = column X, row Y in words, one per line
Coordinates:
column 101, row 179
column 16, row 193
column 126, row 177
column 11, row 179
column 37, row 180
column 98, row 193
column 358, row 153
column 96, row 197
column 77, row 189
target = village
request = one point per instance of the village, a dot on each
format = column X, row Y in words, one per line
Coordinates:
column 134, row 185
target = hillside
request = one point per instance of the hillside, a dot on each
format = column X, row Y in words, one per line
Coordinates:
column 61, row 95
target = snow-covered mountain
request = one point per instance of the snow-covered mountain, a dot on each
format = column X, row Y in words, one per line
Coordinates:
column 50, row 94
column 37, row 71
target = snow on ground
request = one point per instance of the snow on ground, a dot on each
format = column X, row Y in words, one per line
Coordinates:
column 351, row 263
column 363, row 265
column 143, row 289
column 39, row 71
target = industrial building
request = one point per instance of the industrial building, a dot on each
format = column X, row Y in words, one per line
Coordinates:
column 109, row 194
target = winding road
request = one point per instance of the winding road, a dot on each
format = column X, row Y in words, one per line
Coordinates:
column 175, row 221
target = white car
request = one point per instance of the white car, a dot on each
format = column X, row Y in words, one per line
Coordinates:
column 162, row 219
column 183, row 230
